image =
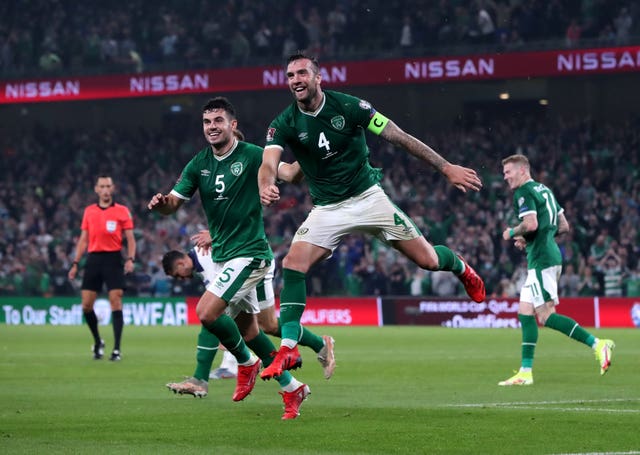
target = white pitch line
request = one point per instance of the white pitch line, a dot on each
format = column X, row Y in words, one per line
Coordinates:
column 633, row 452
column 538, row 403
column 545, row 408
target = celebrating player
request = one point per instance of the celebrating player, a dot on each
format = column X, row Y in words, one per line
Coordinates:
column 541, row 220
column 225, row 173
column 326, row 132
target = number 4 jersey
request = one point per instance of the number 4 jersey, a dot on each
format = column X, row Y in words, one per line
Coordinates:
column 330, row 145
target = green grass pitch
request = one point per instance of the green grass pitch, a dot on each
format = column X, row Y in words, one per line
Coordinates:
column 396, row 390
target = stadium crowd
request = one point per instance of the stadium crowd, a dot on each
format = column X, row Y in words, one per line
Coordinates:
column 592, row 167
column 53, row 36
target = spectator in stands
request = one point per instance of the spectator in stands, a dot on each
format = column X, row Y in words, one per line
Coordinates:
column 336, row 30
column 569, row 281
column 623, row 23
column 444, row 284
column 240, row 48
column 589, row 284
column 632, row 283
column 50, row 62
column 612, row 270
column 262, row 40
column 484, row 29
column 407, row 38
column 573, row 33
column 600, row 246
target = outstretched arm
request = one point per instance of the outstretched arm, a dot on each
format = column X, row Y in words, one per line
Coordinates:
column 461, row 177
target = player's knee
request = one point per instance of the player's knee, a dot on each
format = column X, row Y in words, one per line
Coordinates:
column 270, row 327
column 250, row 333
column 206, row 317
column 293, row 262
column 87, row 306
column 427, row 263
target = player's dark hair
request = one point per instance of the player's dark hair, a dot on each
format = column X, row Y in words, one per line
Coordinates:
column 220, row 102
column 303, row 56
column 103, row 175
column 169, row 259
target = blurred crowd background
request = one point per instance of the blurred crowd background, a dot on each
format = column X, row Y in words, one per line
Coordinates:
column 47, row 174
column 55, row 36
column 591, row 166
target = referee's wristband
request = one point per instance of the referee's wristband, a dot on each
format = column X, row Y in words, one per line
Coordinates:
column 511, row 233
column 131, row 259
column 74, row 263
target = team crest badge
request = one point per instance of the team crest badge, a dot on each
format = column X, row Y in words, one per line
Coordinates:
column 337, row 122
column 236, row 168
column 302, row 231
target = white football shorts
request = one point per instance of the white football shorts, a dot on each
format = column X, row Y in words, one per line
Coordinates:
column 541, row 286
column 370, row 212
column 246, row 284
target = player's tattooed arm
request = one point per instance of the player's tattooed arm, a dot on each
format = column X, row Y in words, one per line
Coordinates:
column 394, row 134
column 461, row 177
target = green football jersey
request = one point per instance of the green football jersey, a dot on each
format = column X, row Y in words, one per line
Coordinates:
column 229, row 192
column 330, row 146
column 536, row 198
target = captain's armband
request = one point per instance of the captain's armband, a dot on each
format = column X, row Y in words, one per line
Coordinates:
column 377, row 123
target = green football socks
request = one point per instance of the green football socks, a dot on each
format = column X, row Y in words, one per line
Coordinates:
column 227, row 332
column 570, row 328
column 293, row 299
column 448, row 260
column 205, row 353
column 529, row 339
column 307, row 338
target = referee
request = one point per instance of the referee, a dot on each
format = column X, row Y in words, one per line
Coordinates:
column 102, row 227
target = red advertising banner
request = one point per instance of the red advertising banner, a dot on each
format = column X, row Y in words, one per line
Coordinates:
column 619, row 312
column 192, row 317
column 342, row 311
column 494, row 313
column 323, row 311
column 373, row 72
column 581, row 309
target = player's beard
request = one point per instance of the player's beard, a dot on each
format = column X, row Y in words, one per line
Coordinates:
column 307, row 101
